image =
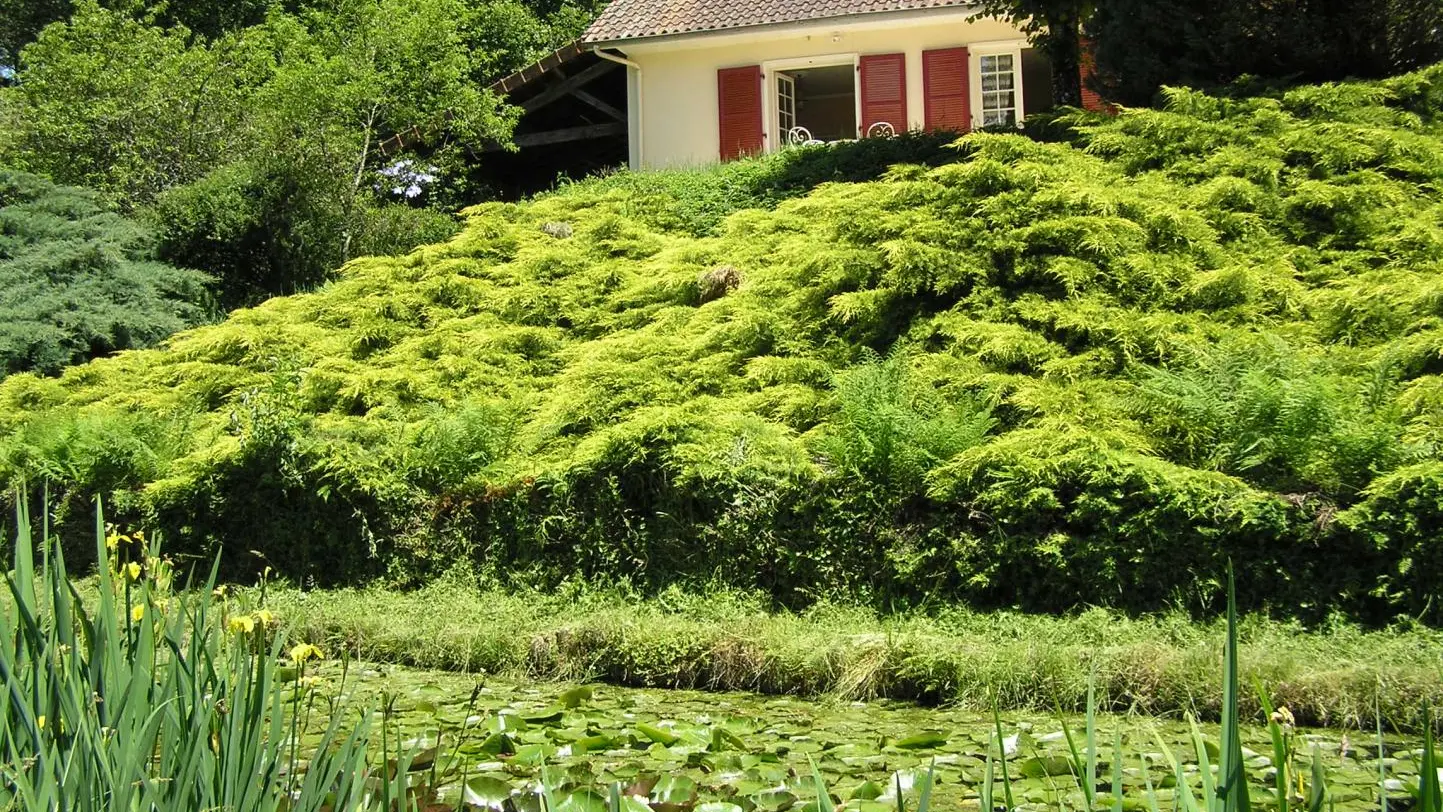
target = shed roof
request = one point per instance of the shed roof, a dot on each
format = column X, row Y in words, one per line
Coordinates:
column 639, row 19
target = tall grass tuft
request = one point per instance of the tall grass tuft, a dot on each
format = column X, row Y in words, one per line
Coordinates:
column 1232, row 792
column 1229, row 792
column 146, row 702
column 1430, row 798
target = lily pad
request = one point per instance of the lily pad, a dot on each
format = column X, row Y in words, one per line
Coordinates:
column 774, row 800
column 656, row 734
column 487, row 792
column 1043, row 766
column 673, row 792
column 573, row 697
column 917, row 741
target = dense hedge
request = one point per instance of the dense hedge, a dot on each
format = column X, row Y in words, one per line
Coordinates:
column 1042, row 375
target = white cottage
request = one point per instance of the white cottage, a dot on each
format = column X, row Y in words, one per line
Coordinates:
column 712, row 80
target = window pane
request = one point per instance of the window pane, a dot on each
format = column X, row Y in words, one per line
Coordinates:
column 1004, row 62
column 989, row 81
column 989, row 63
column 1004, row 81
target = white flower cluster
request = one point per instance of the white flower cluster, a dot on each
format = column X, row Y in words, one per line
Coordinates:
column 406, row 179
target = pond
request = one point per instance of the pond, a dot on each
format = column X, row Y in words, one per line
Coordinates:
column 500, row 742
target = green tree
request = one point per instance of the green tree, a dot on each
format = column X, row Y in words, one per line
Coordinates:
column 78, row 281
column 255, row 153
column 1053, row 27
column 361, row 70
column 111, row 103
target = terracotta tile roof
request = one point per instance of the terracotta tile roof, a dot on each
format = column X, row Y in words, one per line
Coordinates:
column 636, row 19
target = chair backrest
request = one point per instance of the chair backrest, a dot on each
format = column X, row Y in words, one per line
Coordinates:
column 798, row 135
column 881, row 129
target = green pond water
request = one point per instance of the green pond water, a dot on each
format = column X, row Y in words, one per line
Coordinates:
column 495, row 746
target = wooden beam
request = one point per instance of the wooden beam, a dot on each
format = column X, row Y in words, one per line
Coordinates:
column 566, row 86
column 563, row 135
column 599, row 104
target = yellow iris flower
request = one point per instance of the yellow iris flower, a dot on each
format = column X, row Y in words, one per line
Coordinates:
column 305, row 651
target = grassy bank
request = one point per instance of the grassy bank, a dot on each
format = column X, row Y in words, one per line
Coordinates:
column 1159, row 665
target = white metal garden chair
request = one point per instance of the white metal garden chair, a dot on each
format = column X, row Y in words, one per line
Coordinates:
column 881, row 129
column 800, row 136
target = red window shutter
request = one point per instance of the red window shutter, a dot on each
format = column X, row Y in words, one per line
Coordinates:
column 946, row 89
column 739, row 111
column 884, row 91
column 1085, row 67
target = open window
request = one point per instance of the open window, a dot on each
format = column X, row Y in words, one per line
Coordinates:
column 811, row 99
column 816, row 104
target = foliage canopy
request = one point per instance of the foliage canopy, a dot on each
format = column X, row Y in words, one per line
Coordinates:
column 250, row 145
column 1043, row 375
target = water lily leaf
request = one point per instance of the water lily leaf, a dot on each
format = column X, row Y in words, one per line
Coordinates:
column 553, row 778
column 527, row 802
column 723, row 739
column 1043, row 766
column 656, row 734
column 544, row 715
column 774, row 800
column 529, row 755
column 673, row 791
column 422, row 760
column 506, row 723
column 591, row 744
column 581, row 800
column 631, row 803
column 573, row 697
column 486, row 791
column 718, row 806
column 866, row 791
column 929, row 738
column 498, row 744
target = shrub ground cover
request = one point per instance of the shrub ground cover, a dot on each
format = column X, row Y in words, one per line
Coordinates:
column 1043, row 376
column 1161, row 665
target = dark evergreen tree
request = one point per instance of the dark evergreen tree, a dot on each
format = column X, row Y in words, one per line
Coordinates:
column 78, row 281
column 1141, row 45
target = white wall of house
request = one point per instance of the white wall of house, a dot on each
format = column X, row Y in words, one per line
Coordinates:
column 676, row 86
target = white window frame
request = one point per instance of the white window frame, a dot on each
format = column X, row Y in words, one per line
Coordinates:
column 785, row 81
column 975, row 52
column 772, row 138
